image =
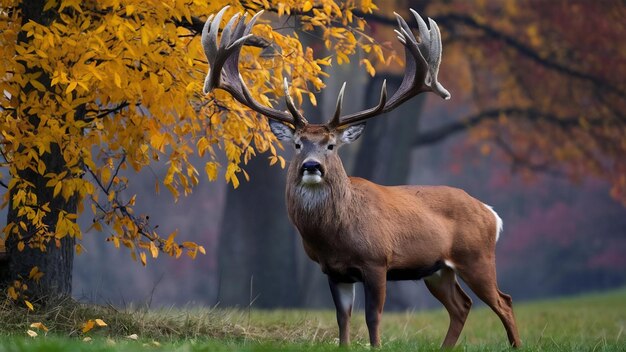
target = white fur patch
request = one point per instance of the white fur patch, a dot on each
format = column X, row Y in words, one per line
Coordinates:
column 437, row 274
column 499, row 224
column 311, row 177
column 346, row 295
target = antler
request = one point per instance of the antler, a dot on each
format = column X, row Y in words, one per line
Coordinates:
column 224, row 65
column 422, row 66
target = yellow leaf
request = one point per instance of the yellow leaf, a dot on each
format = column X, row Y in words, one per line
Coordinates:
column 117, row 79
column 100, row 322
column 105, row 175
column 49, row 4
column 71, row 87
column 368, row 67
column 31, row 333
column 142, row 256
column 39, row 326
column 57, row 189
column 307, row 6
column 170, row 238
column 211, row 170
column 12, row 293
column 37, row 85
column 154, row 250
column 312, row 99
column 88, row 325
column 29, row 305
column 188, row 244
column 20, row 246
column 33, row 272
column 41, row 167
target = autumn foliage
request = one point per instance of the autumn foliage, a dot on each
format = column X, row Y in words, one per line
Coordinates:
column 92, row 88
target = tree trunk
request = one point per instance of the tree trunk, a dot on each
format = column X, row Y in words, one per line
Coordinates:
column 385, row 150
column 256, row 246
column 57, row 259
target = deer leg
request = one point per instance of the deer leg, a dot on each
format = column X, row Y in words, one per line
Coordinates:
column 343, row 296
column 481, row 278
column 447, row 290
column 375, row 285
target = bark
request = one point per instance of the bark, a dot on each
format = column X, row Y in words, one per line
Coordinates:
column 256, row 246
column 384, row 154
column 4, row 267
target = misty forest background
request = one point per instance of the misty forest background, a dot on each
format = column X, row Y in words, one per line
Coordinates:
column 562, row 235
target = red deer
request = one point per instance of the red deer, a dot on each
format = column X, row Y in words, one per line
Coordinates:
column 356, row 230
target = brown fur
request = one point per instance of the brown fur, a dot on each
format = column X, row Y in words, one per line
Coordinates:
column 360, row 231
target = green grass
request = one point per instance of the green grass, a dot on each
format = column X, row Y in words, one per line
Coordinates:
column 585, row 323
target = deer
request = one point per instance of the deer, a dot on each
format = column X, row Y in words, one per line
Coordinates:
column 359, row 231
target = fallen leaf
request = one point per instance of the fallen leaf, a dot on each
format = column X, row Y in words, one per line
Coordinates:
column 88, row 325
column 39, row 326
column 132, row 337
column 87, row 339
column 31, row 333
column 100, row 323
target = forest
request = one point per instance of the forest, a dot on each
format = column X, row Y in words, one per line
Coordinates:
column 124, row 183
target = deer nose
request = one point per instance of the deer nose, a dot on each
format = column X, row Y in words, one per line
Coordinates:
column 311, row 166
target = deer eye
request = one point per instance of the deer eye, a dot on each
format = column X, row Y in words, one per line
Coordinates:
column 298, row 146
column 331, row 146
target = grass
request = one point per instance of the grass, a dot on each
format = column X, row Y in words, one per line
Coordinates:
column 585, row 323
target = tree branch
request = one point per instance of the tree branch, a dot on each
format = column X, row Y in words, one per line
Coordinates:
column 441, row 133
column 518, row 161
column 450, row 20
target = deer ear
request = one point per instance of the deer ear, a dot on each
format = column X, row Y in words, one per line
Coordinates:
column 281, row 131
column 352, row 133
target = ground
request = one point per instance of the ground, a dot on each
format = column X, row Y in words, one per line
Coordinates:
column 593, row 322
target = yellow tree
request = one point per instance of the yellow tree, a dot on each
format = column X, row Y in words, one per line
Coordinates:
column 90, row 88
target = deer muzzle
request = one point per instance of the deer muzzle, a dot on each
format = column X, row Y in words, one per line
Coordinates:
column 312, row 172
